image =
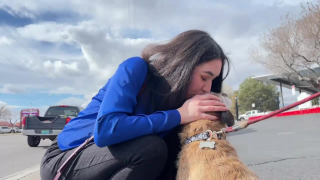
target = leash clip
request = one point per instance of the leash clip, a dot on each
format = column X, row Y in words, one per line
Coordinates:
column 212, row 135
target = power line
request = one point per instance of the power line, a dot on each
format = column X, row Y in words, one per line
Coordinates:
column 19, row 54
column 20, row 66
column 12, row 62
column 46, row 85
column 13, row 50
column 134, row 19
column 19, row 42
column 129, row 14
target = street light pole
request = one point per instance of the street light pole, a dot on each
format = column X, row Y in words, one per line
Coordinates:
column 237, row 107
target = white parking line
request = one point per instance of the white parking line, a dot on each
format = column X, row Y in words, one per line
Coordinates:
column 21, row 174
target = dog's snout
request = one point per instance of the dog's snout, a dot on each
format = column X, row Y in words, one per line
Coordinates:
column 227, row 118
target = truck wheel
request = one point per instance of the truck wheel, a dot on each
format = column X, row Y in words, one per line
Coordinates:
column 34, row 141
column 241, row 119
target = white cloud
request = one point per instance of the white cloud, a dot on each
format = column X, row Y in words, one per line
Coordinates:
column 46, row 31
column 60, row 69
column 11, row 89
column 3, row 103
column 72, row 101
column 5, row 40
column 66, row 90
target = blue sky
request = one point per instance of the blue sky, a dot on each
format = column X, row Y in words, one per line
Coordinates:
column 71, row 48
column 38, row 99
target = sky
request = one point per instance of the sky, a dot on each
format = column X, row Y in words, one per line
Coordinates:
column 63, row 52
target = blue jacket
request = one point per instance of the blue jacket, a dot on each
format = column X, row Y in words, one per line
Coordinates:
column 115, row 114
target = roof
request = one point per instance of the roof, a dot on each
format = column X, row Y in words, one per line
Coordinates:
column 287, row 82
column 6, row 123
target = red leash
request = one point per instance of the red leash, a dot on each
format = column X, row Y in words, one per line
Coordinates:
column 244, row 124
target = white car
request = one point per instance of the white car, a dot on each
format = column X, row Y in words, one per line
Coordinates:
column 251, row 113
column 16, row 130
column 4, row 129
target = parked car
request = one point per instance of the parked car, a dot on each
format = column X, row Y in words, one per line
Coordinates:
column 252, row 113
column 48, row 126
column 15, row 130
column 4, row 129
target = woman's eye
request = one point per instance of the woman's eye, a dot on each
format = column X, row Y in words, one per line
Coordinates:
column 204, row 79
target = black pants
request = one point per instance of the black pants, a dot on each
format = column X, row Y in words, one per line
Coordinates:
column 137, row 159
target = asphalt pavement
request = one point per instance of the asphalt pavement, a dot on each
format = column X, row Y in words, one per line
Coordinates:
column 281, row 148
column 16, row 155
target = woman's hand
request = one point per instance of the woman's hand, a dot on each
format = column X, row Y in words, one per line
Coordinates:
column 196, row 107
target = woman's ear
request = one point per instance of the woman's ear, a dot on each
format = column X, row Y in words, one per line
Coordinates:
column 227, row 118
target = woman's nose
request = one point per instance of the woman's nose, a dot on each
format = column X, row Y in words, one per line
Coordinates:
column 207, row 87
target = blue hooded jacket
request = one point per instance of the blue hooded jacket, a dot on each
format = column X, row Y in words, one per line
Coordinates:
column 115, row 114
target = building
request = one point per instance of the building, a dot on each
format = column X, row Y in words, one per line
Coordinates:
column 286, row 81
column 7, row 124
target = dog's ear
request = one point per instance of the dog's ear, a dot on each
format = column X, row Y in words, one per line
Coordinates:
column 227, row 118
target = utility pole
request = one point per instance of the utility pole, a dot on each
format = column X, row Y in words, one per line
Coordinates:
column 237, row 115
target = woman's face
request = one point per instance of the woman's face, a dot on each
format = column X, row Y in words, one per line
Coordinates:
column 202, row 77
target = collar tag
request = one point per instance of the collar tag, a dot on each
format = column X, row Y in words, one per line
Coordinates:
column 206, row 144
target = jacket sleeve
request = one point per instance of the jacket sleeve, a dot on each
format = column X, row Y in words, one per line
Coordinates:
column 114, row 124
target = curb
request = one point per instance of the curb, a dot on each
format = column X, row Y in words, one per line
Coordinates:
column 315, row 110
column 21, row 174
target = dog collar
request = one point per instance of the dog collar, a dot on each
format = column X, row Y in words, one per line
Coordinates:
column 198, row 137
column 207, row 135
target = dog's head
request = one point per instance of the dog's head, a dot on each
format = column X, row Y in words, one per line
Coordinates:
column 225, row 117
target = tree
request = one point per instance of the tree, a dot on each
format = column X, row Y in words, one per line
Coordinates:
column 263, row 96
column 4, row 111
column 293, row 49
column 12, row 120
column 315, row 101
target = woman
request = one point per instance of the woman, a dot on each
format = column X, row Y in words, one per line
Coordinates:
column 135, row 117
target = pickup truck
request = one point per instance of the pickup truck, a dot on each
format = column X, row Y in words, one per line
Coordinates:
column 48, row 126
column 251, row 113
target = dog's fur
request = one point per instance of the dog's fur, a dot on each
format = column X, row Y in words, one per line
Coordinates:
column 206, row 164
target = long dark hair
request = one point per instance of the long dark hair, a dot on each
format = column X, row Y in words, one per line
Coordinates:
column 171, row 66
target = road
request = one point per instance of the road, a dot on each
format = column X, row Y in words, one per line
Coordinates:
column 16, row 155
column 278, row 148
column 281, row 148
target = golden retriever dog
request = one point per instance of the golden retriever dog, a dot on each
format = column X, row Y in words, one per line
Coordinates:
column 206, row 155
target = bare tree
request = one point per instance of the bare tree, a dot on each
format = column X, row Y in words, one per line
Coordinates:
column 4, row 112
column 293, row 48
column 12, row 120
